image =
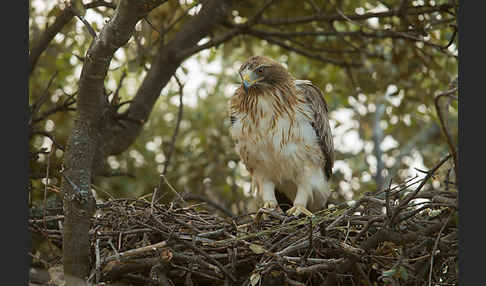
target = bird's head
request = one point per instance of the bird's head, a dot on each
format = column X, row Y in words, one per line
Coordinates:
column 262, row 72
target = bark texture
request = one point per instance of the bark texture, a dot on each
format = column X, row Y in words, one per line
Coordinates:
column 79, row 204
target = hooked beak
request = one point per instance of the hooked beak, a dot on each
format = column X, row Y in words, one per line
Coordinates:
column 246, row 80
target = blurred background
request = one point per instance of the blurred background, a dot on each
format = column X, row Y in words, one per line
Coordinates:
column 379, row 72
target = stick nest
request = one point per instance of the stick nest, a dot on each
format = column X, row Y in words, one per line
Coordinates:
column 386, row 238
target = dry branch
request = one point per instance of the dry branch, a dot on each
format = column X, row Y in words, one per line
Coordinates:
column 160, row 244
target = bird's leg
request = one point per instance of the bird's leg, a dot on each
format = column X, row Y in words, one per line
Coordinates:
column 266, row 189
column 268, row 194
column 300, row 202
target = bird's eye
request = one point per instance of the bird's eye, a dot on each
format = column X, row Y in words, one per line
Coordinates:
column 260, row 70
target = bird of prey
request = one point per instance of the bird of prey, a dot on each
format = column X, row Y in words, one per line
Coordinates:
column 281, row 132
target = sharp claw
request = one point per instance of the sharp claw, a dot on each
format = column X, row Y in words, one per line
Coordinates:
column 270, row 205
column 296, row 210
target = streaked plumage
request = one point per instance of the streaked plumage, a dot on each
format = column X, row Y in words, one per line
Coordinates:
column 281, row 131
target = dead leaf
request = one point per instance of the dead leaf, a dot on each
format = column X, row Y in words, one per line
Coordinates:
column 258, row 249
column 255, row 278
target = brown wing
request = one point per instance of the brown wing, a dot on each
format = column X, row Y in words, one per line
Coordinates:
column 315, row 98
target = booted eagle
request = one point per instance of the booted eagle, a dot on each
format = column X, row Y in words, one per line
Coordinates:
column 281, row 131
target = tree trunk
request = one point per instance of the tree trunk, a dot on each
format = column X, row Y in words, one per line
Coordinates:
column 79, row 204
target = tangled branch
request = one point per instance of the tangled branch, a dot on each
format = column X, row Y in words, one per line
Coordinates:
column 349, row 244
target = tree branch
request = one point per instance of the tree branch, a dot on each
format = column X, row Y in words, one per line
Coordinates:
column 79, row 204
column 426, row 132
column 62, row 20
column 82, row 19
column 452, row 148
column 377, row 140
column 316, row 56
column 176, row 130
column 168, row 58
column 355, row 17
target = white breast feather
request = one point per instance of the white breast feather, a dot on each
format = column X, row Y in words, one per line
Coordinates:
column 276, row 153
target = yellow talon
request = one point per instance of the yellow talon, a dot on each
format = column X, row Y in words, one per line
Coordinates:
column 270, row 205
column 296, row 210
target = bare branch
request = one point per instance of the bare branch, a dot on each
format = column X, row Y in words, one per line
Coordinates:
column 64, row 106
column 303, row 52
column 62, row 20
column 178, row 122
column 82, row 19
column 169, row 57
column 355, row 17
column 426, row 132
column 214, row 42
column 377, row 140
column 100, row 3
column 432, row 254
column 451, row 145
column 413, row 194
column 34, row 108
column 115, row 100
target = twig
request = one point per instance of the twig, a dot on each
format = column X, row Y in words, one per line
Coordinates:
column 171, row 188
column 319, row 267
column 316, row 56
column 65, row 106
column 115, row 101
column 46, row 184
column 178, row 122
column 82, row 19
column 177, row 20
column 435, row 248
column 47, row 218
column 199, row 242
column 314, row 6
column 409, row 197
column 98, row 261
column 172, row 144
column 377, row 140
column 257, row 16
column 154, row 195
column 428, row 131
column 37, row 105
column 310, row 240
column 347, row 212
column 444, row 128
column 137, row 251
column 203, row 253
column 347, row 232
column 100, row 3
column 200, row 198
column 354, row 17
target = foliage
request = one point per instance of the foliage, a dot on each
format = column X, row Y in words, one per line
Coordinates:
column 404, row 61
